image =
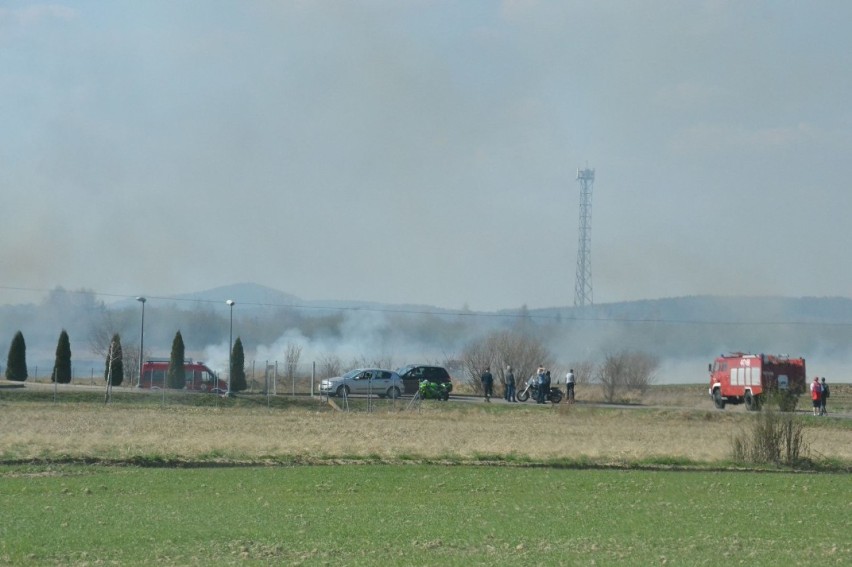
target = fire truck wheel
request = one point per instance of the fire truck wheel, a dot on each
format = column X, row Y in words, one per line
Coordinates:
column 752, row 402
column 718, row 400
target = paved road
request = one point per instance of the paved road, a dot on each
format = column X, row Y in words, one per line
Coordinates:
column 456, row 398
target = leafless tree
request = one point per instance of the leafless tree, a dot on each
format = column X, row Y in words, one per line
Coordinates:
column 611, row 373
column 476, row 357
column 131, row 365
column 626, row 370
column 292, row 354
column 520, row 350
column 375, row 362
column 641, row 371
column 523, row 351
column 329, row 365
column 102, row 330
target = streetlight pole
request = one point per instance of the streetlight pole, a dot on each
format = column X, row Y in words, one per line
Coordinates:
column 230, row 303
column 141, row 300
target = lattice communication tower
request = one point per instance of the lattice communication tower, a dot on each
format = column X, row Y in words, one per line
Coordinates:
column 583, row 285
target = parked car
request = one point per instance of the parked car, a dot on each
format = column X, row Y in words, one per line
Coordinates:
column 413, row 374
column 382, row 383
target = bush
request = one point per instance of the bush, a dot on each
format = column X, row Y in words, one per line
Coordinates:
column 774, row 438
column 787, row 401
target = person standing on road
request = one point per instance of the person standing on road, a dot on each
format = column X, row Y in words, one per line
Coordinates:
column 540, row 384
column 823, row 397
column 510, row 385
column 816, row 394
column 487, row 384
column 547, row 382
column 569, row 386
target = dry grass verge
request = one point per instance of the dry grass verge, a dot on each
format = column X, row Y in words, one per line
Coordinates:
column 454, row 432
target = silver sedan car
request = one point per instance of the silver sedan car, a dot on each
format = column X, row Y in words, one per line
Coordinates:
column 374, row 381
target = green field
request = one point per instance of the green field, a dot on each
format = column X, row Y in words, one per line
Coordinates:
column 199, row 480
column 420, row 515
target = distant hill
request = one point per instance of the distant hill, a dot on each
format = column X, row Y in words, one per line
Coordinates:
column 257, row 295
column 699, row 326
column 714, row 309
column 248, row 293
column 689, row 309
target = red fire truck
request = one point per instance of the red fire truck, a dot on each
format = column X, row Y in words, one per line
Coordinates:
column 198, row 376
column 739, row 378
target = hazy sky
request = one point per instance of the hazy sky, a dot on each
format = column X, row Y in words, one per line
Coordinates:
column 426, row 151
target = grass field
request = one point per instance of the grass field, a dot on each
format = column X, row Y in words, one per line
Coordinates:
column 420, row 515
column 201, row 480
column 201, row 428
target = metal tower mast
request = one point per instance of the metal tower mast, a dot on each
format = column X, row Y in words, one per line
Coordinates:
column 583, row 286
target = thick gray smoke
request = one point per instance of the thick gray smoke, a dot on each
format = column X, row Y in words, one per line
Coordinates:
column 684, row 333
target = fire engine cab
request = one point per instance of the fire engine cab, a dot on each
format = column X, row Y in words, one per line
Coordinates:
column 198, row 376
column 739, row 378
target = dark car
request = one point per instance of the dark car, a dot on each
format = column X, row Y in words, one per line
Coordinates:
column 413, row 374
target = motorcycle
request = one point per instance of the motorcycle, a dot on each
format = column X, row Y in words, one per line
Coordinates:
column 531, row 391
column 434, row 391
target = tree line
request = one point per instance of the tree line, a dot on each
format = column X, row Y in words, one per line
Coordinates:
column 522, row 349
column 114, row 367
